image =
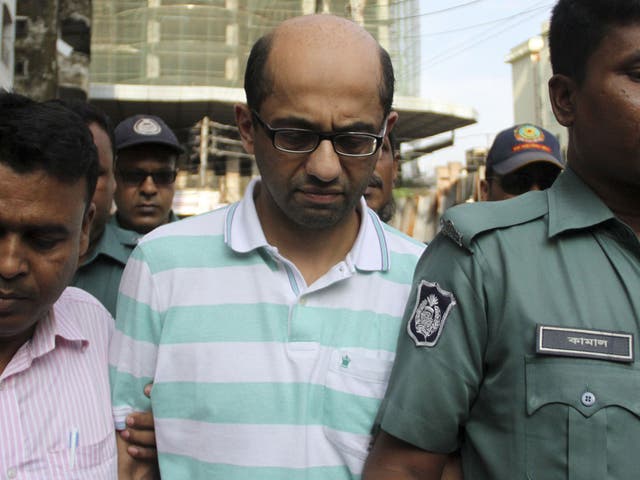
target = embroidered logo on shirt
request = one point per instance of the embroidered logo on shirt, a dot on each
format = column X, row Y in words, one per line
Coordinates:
column 433, row 305
column 345, row 361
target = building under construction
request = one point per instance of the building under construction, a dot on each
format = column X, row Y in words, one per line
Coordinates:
column 185, row 62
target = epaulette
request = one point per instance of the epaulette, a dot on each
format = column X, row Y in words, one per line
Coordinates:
column 464, row 222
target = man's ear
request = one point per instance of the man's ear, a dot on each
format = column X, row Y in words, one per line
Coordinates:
column 562, row 93
column 484, row 190
column 87, row 221
column 391, row 120
column 244, row 122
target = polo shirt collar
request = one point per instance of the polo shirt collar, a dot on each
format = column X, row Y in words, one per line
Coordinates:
column 242, row 229
column 573, row 205
column 243, row 233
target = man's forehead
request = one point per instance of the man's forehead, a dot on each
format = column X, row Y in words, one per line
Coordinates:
column 27, row 202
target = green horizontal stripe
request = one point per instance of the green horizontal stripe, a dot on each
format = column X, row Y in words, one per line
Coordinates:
column 265, row 404
column 340, row 328
column 260, row 322
column 402, row 268
column 263, row 322
column 179, row 467
column 148, row 330
column 128, row 390
column 203, row 251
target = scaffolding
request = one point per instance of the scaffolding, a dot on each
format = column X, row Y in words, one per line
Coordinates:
column 207, row 42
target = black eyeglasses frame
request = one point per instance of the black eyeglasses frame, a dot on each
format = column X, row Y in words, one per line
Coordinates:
column 331, row 136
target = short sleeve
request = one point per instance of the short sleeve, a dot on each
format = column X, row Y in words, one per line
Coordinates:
column 134, row 348
column 436, row 377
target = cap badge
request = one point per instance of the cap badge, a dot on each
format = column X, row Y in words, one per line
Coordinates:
column 433, row 305
column 529, row 133
column 147, row 126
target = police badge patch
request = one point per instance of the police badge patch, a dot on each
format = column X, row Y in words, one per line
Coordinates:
column 433, row 305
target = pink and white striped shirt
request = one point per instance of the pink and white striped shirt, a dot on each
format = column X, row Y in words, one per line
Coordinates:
column 56, row 387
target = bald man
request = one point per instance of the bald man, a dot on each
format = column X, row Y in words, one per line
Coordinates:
column 269, row 327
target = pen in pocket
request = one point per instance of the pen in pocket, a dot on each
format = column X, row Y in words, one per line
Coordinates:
column 73, row 445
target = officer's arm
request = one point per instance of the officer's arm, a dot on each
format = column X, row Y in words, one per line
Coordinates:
column 130, row 468
column 394, row 459
column 140, row 434
column 137, row 455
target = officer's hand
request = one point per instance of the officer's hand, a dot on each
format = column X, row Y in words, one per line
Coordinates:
column 140, row 434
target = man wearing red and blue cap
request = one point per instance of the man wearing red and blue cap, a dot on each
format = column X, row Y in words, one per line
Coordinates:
column 522, row 158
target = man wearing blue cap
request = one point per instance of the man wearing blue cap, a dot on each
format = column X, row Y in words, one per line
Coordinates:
column 147, row 154
column 522, row 158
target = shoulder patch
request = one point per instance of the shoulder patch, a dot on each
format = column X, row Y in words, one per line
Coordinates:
column 433, row 305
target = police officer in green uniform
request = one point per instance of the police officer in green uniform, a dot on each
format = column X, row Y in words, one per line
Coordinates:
column 101, row 267
column 520, row 341
column 101, row 270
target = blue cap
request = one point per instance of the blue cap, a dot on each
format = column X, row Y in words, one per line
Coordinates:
column 521, row 145
column 145, row 129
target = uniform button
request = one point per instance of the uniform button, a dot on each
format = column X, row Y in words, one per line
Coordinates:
column 588, row 399
column 303, row 301
column 12, row 472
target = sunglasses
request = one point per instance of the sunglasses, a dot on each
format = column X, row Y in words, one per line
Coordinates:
column 525, row 179
column 136, row 176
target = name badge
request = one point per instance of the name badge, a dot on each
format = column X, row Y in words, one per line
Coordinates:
column 577, row 342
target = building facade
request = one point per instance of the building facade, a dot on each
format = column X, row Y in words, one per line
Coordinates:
column 185, row 62
column 530, row 72
column 7, row 39
column 207, row 42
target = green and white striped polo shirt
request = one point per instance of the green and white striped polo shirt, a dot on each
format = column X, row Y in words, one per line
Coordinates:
column 256, row 374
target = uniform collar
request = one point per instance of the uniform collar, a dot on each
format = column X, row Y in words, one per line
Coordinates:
column 573, row 205
column 243, row 233
column 115, row 242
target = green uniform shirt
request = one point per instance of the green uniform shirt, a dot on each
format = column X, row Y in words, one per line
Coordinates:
column 100, row 274
column 475, row 371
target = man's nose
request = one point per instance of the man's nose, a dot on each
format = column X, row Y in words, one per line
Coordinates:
column 148, row 186
column 324, row 163
column 13, row 260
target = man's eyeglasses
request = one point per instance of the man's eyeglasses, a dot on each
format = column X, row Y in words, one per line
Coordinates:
column 298, row 140
column 135, row 177
column 523, row 180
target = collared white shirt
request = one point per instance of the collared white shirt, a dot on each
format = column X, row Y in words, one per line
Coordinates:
column 56, row 387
